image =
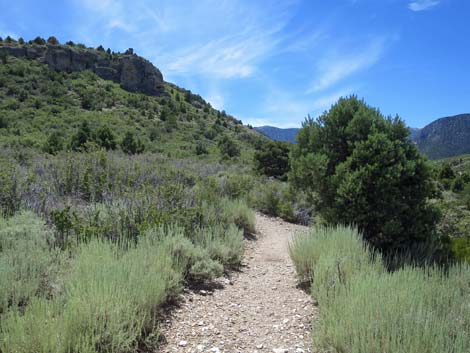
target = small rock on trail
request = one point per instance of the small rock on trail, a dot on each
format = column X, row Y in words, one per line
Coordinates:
column 259, row 309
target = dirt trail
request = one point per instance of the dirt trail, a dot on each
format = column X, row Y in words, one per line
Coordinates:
column 258, row 309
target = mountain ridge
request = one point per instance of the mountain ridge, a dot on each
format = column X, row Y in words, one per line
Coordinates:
column 444, row 137
column 278, row 134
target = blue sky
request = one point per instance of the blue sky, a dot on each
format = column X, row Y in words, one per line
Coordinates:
column 274, row 62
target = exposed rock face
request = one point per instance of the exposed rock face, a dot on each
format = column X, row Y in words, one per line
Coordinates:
column 134, row 73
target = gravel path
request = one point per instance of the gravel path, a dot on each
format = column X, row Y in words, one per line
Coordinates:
column 258, row 309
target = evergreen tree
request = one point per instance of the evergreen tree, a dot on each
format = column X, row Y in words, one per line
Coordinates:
column 54, row 143
column 228, row 147
column 131, row 145
column 52, row 40
column 360, row 168
column 105, row 138
column 272, row 159
column 39, row 41
column 82, row 136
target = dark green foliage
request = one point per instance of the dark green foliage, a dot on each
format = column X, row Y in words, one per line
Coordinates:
column 52, row 40
column 82, row 136
column 201, row 149
column 131, row 145
column 105, row 138
column 272, row 159
column 9, row 189
column 458, row 184
column 39, row 41
column 228, row 147
column 4, row 57
column 54, row 143
column 446, row 172
column 360, row 168
column 466, row 196
column 3, row 122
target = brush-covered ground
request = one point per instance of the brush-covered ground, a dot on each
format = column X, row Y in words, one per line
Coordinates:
column 113, row 202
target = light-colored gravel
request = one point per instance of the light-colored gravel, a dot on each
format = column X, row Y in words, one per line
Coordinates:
column 259, row 309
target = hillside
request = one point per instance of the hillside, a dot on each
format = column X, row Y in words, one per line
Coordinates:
column 445, row 137
column 49, row 92
column 278, row 134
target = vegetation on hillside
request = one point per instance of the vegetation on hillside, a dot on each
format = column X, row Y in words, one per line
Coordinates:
column 453, row 175
column 54, row 111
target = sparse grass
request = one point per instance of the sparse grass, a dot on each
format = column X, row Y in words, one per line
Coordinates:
column 365, row 309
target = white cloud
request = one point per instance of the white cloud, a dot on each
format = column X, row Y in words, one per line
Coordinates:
column 422, row 5
column 334, row 68
column 216, row 99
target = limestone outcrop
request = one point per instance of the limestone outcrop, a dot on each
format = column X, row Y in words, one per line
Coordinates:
column 134, row 73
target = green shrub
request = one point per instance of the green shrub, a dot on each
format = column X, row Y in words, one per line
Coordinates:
column 54, row 143
column 366, row 309
column 191, row 259
column 330, row 256
column 222, row 244
column 460, row 248
column 26, row 263
column 110, row 303
column 132, row 145
column 408, row 311
column 239, row 213
column 272, row 159
column 360, row 168
column 279, row 199
column 10, row 200
column 228, row 147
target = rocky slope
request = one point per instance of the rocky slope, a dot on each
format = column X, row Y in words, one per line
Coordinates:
column 132, row 72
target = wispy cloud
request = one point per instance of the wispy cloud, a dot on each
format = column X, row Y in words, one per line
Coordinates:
column 422, row 5
column 334, row 68
column 220, row 39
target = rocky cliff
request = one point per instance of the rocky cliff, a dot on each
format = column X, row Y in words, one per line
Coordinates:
column 134, row 73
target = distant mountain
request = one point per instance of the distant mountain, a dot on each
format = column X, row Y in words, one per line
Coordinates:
column 445, row 137
column 414, row 133
column 278, row 134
